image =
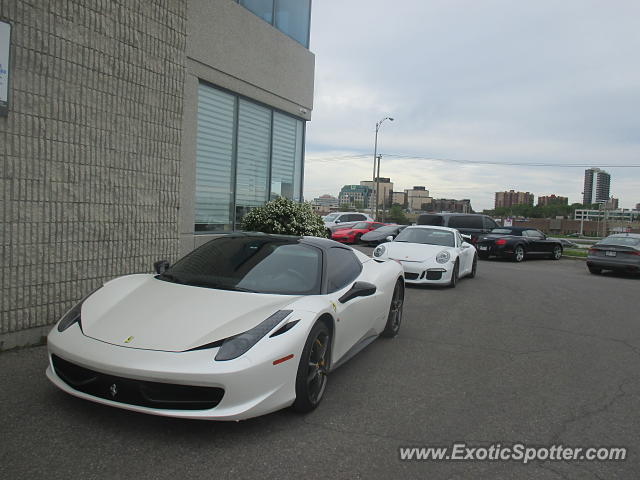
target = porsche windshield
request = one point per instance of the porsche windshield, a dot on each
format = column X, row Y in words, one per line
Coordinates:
column 428, row 236
column 251, row 264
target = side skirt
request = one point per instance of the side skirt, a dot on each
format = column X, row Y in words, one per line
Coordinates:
column 353, row 351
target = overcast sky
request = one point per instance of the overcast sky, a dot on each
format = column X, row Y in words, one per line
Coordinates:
column 538, row 81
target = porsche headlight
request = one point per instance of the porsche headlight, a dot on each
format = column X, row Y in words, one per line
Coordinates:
column 73, row 315
column 443, row 257
column 238, row 345
column 379, row 251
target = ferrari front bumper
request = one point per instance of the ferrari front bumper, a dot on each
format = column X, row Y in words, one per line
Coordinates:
column 251, row 385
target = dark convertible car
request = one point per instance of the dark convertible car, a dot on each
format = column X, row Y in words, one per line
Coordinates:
column 517, row 243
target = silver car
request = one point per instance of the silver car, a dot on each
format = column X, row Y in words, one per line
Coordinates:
column 620, row 252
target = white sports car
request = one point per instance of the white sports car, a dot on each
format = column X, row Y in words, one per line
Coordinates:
column 430, row 255
column 242, row 326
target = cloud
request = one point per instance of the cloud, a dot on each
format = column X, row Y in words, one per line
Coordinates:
column 551, row 82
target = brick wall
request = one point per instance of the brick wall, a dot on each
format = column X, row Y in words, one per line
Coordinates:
column 89, row 153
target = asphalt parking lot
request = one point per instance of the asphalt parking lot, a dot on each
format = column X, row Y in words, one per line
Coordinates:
column 540, row 352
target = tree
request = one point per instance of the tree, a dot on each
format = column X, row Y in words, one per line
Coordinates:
column 285, row 217
column 396, row 215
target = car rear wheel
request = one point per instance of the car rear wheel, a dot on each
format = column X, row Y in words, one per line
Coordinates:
column 474, row 267
column 311, row 379
column 595, row 270
column 557, row 252
column 395, row 311
column 518, row 253
column 454, row 275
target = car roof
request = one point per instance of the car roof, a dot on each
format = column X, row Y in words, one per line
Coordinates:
column 516, row 229
column 625, row 235
column 432, row 227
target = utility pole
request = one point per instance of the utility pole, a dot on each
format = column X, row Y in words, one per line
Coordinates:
column 375, row 156
column 377, row 180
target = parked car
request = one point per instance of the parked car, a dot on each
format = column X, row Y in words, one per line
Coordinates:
column 337, row 218
column 518, row 243
column 353, row 233
column 436, row 255
column 474, row 225
column 242, row 326
column 565, row 242
column 619, row 252
column 379, row 235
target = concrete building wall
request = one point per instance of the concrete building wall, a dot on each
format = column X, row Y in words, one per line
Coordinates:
column 90, row 151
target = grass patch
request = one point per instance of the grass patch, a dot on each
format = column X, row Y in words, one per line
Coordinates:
column 572, row 252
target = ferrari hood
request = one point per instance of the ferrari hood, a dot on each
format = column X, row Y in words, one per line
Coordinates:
column 140, row 311
column 413, row 252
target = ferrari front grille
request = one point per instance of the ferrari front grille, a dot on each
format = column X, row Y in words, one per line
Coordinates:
column 142, row 393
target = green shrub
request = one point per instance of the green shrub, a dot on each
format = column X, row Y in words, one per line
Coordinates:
column 285, row 217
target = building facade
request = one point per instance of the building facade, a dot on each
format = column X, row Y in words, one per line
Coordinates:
column 552, row 200
column 385, row 190
column 417, row 198
column 399, row 198
column 597, row 186
column 325, row 204
column 510, row 198
column 136, row 130
column 355, row 196
column 450, row 205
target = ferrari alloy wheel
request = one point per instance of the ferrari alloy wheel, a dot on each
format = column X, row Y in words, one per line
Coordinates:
column 395, row 311
column 518, row 253
column 454, row 275
column 595, row 270
column 474, row 267
column 557, row 252
column 311, row 379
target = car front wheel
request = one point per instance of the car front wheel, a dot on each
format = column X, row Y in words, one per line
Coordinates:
column 311, row 379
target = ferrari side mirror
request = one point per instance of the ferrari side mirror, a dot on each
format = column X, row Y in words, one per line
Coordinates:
column 161, row 266
column 359, row 289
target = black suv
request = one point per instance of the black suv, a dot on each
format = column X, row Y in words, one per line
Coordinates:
column 471, row 224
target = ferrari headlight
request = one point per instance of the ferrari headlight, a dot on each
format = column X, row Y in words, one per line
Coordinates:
column 443, row 257
column 379, row 251
column 233, row 347
column 73, row 315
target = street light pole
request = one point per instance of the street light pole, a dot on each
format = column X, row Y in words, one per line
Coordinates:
column 375, row 155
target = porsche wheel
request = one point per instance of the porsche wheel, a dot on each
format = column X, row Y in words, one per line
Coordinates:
column 518, row 253
column 454, row 275
column 474, row 267
column 311, row 379
column 395, row 311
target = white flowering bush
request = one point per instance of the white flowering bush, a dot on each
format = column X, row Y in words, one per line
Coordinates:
column 285, row 217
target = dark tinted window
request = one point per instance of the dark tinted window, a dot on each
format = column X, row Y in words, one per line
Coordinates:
column 489, row 223
column 358, row 216
column 343, row 267
column 465, row 221
column 435, row 220
column 263, row 265
column 506, row 231
column 533, row 234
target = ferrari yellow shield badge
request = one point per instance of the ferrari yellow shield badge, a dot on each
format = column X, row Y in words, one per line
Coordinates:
column 128, row 340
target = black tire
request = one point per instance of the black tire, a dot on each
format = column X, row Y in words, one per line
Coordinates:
column 595, row 270
column 395, row 311
column 557, row 252
column 518, row 253
column 474, row 267
column 483, row 256
column 311, row 379
column 454, row 275
column 357, row 238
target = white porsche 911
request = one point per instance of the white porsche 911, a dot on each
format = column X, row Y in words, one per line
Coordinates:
column 430, row 255
column 244, row 325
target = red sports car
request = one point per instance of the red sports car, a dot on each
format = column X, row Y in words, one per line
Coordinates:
column 353, row 233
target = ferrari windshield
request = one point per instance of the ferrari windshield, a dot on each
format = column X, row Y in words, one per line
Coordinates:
column 251, row 263
column 428, row 236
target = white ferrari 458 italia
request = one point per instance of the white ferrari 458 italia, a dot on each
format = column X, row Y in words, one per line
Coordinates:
column 244, row 325
column 430, row 255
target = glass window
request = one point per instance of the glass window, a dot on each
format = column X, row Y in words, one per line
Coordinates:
column 254, row 139
column 489, row 223
column 361, row 225
column 428, row 236
column 343, row 267
column 533, row 234
column 435, row 220
column 251, row 263
column 283, row 155
column 507, row 231
column 262, row 8
column 292, row 18
column 465, row 221
column 214, row 159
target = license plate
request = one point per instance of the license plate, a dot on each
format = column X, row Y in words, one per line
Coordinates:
column 610, row 253
column 482, row 247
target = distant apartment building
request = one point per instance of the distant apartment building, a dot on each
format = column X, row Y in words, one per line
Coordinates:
column 511, row 198
column 612, row 203
column 325, row 204
column 385, row 189
column 552, row 200
column 357, row 196
column 399, row 198
column 637, row 206
column 417, row 197
column 450, row 205
column 597, row 185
